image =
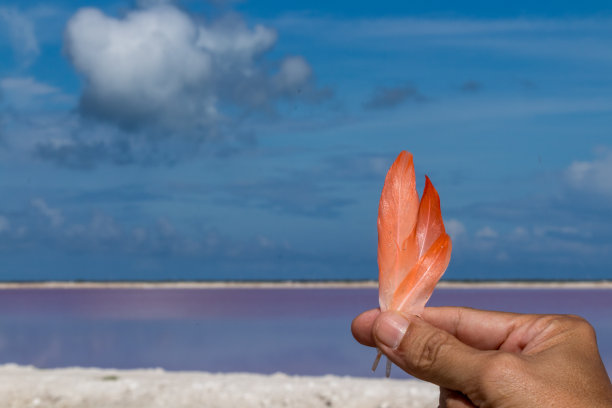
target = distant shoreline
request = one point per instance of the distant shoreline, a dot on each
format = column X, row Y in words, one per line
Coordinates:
column 299, row 285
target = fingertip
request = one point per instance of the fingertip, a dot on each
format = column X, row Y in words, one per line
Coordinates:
column 361, row 327
column 390, row 328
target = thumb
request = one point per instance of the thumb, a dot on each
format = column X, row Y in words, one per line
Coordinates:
column 427, row 352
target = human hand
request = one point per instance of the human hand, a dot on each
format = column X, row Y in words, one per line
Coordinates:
column 493, row 359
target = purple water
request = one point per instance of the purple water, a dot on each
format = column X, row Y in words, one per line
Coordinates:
column 297, row 331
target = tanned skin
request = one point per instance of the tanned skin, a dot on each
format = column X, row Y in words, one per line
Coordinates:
column 493, row 359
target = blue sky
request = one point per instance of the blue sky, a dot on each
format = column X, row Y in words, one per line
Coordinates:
column 250, row 140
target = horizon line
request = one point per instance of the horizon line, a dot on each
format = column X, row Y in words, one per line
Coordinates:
column 296, row 284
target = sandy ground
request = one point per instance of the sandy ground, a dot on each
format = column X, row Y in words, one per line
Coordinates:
column 22, row 387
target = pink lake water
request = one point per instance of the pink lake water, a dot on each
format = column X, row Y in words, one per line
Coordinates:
column 296, row 331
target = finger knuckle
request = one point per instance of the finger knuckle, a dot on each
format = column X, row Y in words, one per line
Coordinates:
column 557, row 324
column 552, row 324
column 429, row 351
column 581, row 324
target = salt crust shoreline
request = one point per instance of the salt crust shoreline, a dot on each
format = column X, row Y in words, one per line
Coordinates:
column 27, row 387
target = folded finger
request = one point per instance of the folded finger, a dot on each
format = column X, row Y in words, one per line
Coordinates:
column 468, row 324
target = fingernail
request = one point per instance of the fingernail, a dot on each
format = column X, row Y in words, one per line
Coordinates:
column 391, row 329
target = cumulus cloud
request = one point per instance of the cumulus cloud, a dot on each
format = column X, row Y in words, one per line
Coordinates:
column 455, row 228
column 160, row 66
column 159, row 84
column 391, row 97
column 594, row 177
column 137, row 69
column 22, row 34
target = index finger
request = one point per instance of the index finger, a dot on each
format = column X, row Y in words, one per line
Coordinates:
column 482, row 329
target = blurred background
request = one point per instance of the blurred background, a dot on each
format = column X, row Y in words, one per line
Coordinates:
column 249, row 140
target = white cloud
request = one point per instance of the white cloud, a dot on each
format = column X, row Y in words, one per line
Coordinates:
column 487, row 232
column 293, row 73
column 21, row 31
column 592, row 176
column 26, row 85
column 140, row 67
column 27, row 93
column 230, row 39
column 55, row 217
column 455, row 228
column 160, row 66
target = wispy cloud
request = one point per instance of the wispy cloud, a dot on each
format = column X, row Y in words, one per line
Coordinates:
column 415, row 26
column 53, row 215
column 564, row 38
column 27, row 85
column 21, row 31
column 561, row 248
column 563, row 234
column 27, row 93
column 85, row 155
column 390, row 97
column 491, row 108
column 100, row 232
column 487, row 232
